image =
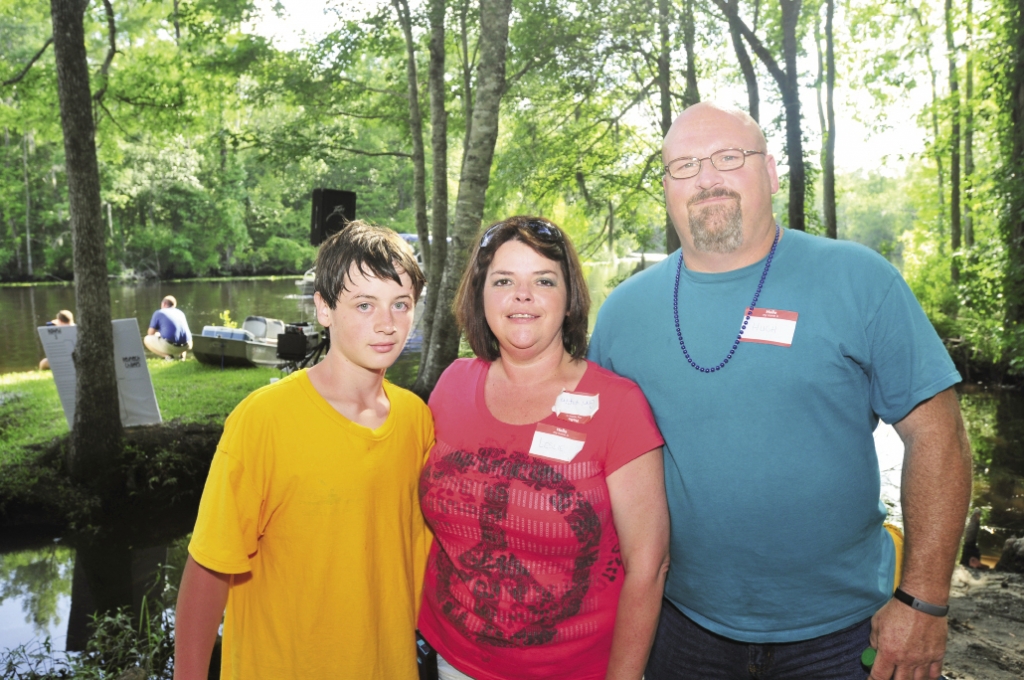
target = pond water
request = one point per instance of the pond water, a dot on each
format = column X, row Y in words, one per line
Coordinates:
column 37, row 587
column 24, row 308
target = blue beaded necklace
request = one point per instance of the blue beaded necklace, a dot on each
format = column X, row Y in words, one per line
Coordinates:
column 746, row 319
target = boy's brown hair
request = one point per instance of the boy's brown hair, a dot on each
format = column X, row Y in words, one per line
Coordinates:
column 375, row 251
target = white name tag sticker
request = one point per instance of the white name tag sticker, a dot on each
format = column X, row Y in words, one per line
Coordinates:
column 576, row 407
column 771, row 327
column 559, row 443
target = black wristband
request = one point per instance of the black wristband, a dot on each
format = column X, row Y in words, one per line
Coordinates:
column 920, row 605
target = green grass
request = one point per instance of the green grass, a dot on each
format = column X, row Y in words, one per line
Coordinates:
column 195, row 392
column 30, row 411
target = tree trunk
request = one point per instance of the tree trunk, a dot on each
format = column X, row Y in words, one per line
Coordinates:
column 968, row 179
column 746, row 67
column 177, row 27
column 1013, row 218
column 439, row 150
column 611, row 232
column 14, row 240
column 443, row 346
column 467, row 73
column 96, row 432
column 691, row 94
column 10, row 219
column 954, row 148
column 940, row 172
column 28, row 205
column 791, row 102
column 829, row 178
column 419, row 170
column 665, row 100
column 789, row 86
column 925, row 30
column 819, row 81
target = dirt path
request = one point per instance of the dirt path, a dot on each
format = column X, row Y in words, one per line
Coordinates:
column 986, row 626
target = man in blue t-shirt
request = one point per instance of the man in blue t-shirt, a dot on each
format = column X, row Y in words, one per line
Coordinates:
column 168, row 335
column 768, row 357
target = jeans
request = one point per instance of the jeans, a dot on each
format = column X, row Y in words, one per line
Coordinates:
column 683, row 650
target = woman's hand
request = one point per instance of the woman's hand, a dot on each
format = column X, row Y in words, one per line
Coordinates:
column 640, row 511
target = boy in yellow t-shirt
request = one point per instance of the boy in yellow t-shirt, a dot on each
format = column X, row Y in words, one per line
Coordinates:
column 309, row 529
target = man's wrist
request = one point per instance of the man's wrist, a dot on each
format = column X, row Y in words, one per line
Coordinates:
column 920, row 605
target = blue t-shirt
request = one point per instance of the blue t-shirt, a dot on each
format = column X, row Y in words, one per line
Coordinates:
column 170, row 323
column 770, row 465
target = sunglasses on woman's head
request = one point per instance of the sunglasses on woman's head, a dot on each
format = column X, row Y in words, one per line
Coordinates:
column 542, row 229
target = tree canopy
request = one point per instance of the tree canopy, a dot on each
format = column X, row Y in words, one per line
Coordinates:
column 210, row 137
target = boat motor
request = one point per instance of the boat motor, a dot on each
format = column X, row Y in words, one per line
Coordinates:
column 301, row 345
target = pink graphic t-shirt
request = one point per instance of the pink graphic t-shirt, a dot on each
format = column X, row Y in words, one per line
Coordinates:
column 524, row 576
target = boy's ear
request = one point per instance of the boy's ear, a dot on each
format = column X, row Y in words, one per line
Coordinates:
column 323, row 313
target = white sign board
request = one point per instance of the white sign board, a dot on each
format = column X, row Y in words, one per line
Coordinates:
column 58, row 343
column 134, row 386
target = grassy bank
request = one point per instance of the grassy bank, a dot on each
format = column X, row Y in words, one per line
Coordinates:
column 188, row 391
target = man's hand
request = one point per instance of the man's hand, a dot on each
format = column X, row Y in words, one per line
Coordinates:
column 910, row 644
column 935, row 491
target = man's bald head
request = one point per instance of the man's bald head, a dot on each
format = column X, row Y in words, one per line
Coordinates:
column 714, row 118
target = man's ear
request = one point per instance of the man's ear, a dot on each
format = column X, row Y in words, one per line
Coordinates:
column 773, row 173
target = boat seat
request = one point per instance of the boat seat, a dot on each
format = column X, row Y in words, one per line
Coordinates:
column 227, row 333
column 274, row 328
column 262, row 327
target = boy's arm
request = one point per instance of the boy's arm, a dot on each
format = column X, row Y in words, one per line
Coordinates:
column 201, row 600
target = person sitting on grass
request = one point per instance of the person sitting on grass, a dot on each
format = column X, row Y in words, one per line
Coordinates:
column 168, row 335
column 64, row 318
column 309, row 528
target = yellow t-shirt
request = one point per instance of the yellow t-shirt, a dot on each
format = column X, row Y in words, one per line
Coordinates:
column 318, row 520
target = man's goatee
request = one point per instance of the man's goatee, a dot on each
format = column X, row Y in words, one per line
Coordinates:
column 716, row 228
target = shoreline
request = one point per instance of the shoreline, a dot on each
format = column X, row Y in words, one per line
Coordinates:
column 986, row 626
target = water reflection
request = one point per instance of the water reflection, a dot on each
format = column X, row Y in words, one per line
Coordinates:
column 995, row 425
column 51, row 590
column 39, row 582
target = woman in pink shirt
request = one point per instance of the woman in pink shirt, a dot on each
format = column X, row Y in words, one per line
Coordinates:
column 545, row 488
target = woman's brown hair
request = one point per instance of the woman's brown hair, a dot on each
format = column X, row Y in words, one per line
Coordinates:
column 545, row 239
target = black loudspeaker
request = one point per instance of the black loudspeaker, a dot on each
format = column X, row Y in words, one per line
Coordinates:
column 332, row 210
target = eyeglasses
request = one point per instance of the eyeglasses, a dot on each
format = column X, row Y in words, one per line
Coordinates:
column 724, row 160
column 542, row 229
